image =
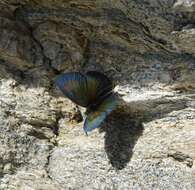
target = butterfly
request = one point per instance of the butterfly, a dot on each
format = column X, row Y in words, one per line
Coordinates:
column 92, row 90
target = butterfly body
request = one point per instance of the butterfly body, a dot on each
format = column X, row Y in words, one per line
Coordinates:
column 92, row 90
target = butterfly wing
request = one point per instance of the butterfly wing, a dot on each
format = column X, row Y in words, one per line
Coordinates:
column 84, row 90
column 74, row 86
column 95, row 118
column 101, row 84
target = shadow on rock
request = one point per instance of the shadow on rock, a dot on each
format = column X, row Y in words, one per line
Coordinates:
column 125, row 125
column 121, row 135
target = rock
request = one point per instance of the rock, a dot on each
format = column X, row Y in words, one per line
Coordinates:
column 34, row 179
column 185, row 40
column 187, row 6
column 60, row 45
column 145, row 47
column 17, row 46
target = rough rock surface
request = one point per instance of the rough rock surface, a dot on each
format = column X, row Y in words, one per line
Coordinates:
column 145, row 46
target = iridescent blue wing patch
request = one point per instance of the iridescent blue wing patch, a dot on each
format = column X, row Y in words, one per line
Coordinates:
column 84, row 90
column 74, row 86
column 97, row 116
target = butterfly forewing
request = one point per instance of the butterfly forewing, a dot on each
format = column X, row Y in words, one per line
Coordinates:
column 101, row 84
column 96, row 117
column 84, row 90
column 74, row 86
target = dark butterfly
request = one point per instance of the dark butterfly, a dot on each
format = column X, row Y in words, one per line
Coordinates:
column 92, row 90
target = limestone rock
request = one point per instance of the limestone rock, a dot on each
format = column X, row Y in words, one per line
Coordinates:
column 146, row 48
column 185, row 40
column 182, row 5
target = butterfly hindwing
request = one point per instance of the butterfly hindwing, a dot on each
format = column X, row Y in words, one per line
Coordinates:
column 96, row 117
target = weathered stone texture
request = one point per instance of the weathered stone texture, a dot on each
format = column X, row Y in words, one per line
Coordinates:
column 145, row 46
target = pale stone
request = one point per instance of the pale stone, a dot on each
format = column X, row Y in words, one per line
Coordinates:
column 145, row 47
